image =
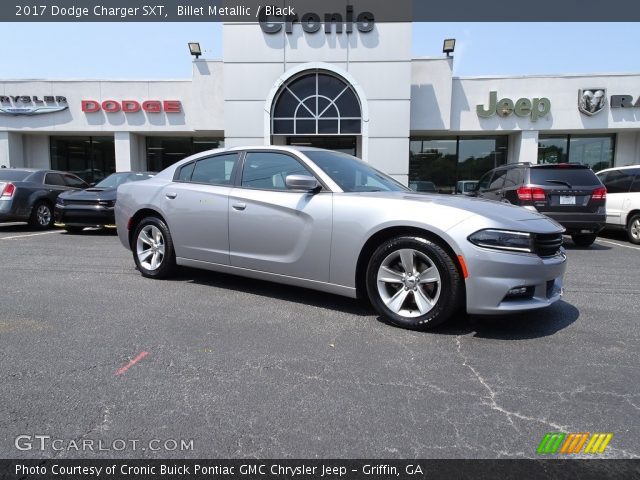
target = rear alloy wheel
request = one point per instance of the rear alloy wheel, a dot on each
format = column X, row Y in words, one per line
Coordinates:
column 41, row 216
column 413, row 282
column 633, row 229
column 583, row 239
column 153, row 249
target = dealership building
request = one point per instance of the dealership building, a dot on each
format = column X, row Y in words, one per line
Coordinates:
column 352, row 87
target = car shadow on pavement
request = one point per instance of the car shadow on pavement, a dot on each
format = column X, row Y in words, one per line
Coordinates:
column 91, row 232
column 569, row 246
column 16, row 228
column 521, row 326
column 540, row 323
column 274, row 290
column 618, row 235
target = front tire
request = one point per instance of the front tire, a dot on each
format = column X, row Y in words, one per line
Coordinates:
column 41, row 216
column 633, row 229
column 153, row 249
column 583, row 239
column 413, row 283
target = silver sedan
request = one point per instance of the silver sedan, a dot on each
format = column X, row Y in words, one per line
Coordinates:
column 328, row 221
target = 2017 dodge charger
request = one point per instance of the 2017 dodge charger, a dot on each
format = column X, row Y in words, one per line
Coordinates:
column 328, row 221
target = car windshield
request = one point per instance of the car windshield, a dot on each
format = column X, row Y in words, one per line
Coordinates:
column 13, row 175
column 115, row 179
column 352, row 174
column 560, row 175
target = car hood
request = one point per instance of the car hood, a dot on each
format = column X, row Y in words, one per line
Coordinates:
column 504, row 213
column 94, row 193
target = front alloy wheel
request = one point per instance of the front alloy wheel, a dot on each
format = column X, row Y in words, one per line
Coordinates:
column 413, row 282
column 153, row 249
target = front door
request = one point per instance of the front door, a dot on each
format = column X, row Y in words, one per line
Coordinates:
column 276, row 230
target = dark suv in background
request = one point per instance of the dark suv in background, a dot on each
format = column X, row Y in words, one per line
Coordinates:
column 571, row 194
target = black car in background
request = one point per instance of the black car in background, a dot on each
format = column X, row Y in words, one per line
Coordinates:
column 571, row 194
column 29, row 195
column 93, row 207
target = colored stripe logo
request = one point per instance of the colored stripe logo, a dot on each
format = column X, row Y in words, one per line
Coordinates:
column 572, row 443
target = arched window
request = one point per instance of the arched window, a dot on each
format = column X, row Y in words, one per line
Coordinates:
column 316, row 104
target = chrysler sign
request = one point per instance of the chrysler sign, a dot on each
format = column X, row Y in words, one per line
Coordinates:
column 31, row 104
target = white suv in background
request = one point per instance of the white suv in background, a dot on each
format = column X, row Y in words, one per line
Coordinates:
column 623, row 199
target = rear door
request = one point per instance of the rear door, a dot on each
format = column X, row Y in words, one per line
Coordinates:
column 568, row 189
column 196, row 206
column 277, row 230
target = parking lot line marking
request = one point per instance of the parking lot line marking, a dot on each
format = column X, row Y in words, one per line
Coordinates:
column 618, row 244
column 135, row 360
column 30, row 235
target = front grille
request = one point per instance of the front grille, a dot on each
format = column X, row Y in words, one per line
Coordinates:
column 80, row 202
column 547, row 244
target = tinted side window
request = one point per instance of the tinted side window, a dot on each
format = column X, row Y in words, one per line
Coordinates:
column 635, row 186
column 514, row 178
column 184, row 175
column 214, row 170
column 483, row 184
column 54, row 179
column 73, row 181
column 618, row 181
column 498, row 180
column 268, row 170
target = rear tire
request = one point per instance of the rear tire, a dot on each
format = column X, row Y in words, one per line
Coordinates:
column 413, row 283
column 41, row 216
column 633, row 229
column 583, row 239
column 153, row 250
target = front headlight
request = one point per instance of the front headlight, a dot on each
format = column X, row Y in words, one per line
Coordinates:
column 503, row 240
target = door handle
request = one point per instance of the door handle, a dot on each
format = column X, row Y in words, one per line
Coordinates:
column 239, row 206
column 171, row 195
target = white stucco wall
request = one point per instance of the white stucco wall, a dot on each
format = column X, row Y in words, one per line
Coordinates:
column 377, row 62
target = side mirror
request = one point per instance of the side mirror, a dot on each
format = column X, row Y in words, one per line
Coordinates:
column 305, row 183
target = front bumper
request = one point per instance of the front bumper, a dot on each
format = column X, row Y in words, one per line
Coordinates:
column 492, row 274
column 84, row 216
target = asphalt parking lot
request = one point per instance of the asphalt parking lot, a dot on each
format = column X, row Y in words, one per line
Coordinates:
column 91, row 351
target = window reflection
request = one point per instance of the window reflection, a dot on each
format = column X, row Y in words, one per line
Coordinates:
column 163, row 152
column 446, row 161
column 594, row 150
column 90, row 158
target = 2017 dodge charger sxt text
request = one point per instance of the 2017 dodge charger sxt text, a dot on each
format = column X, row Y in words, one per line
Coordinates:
column 328, row 221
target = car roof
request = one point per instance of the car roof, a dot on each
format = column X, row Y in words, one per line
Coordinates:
column 624, row 167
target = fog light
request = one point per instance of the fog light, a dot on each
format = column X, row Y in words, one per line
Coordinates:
column 520, row 293
column 514, row 292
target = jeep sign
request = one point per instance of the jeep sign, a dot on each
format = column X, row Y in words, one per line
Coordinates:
column 523, row 107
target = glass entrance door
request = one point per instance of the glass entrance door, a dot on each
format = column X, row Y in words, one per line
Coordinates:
column 344, row 144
